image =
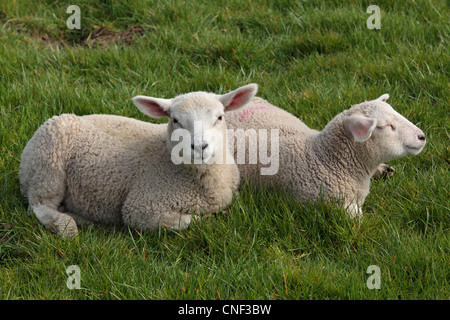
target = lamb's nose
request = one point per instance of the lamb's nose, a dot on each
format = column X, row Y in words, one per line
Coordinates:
column 421, row 137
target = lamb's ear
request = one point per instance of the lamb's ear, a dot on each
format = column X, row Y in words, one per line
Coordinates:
column 384, row 97
column 239, row 97
column 360, row 127
column 153, row 107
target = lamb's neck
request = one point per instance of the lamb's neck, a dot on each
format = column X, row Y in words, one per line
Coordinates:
column 215, row 177
column 334, row 149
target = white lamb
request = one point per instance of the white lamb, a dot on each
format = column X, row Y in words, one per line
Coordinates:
column 115, row 170
column 336, row 162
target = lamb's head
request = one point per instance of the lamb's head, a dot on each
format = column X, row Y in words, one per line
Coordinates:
column 387, row 134
column 198, row 119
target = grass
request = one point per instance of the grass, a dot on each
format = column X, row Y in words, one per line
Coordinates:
column 312, row 59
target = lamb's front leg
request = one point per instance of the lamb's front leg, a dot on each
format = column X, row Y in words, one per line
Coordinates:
column 176, row 220
column 354, row 210
column 142, row 219
column 150, row 213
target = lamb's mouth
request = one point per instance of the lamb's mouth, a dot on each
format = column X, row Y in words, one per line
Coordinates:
column 414, row 148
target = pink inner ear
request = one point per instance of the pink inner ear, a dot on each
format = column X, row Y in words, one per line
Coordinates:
column 360, row 129
column 153, row 108
column 238, row 100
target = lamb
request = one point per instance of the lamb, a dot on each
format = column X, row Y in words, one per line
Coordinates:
column 337, row 162
column 106, row 169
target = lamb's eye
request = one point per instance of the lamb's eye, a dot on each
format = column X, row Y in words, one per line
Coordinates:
column 387, row 126
column 219, row 119
column 177, row 123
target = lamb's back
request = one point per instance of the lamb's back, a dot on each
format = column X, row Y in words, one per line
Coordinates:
column 260, row 114
column 293, row 140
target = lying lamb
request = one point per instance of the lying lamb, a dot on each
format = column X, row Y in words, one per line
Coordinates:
column 337, row 161
column 116, row 170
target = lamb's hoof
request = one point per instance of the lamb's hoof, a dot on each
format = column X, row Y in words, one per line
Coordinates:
column 65, row 226
column 384, row 171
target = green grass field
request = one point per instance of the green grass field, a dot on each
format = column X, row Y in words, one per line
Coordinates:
column 311, row 58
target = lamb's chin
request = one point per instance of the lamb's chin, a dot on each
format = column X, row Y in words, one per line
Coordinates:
column 413, row 150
